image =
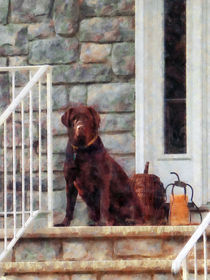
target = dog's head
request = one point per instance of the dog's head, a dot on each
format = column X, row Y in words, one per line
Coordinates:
column 82, row 123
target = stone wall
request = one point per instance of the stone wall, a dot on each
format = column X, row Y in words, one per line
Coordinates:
column 91, row 47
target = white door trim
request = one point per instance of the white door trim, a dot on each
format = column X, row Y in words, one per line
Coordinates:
column 139, row 84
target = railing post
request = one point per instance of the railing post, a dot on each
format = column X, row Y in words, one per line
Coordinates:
column 40, row 146
column 31, row 145
column 195, row 263
column 23, row 162
column 49, row 147
column 14, row 155
column 5, row 185
column 205, row 256
column 185, row 270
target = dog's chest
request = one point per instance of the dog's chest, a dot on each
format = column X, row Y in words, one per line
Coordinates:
column 88, row 178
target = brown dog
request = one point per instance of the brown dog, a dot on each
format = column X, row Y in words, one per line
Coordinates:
column 90, row 171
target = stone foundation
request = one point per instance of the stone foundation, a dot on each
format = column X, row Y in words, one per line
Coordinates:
column 100, row 253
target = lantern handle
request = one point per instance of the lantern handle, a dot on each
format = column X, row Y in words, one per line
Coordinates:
column 176, row 175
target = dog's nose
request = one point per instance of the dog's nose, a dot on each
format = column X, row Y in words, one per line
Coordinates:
column 79, row 129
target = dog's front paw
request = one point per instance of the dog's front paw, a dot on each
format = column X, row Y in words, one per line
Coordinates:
column 105, row 223
column 92, row 223
column 66, row 222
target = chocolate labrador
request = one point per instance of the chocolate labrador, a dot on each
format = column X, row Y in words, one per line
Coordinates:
column 92, row 173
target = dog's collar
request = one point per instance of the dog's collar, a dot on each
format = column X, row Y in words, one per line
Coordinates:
column 89, row 144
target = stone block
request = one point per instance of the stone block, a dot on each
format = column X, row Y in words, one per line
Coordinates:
column 59, row 182
column 81, row 73
column 107, row 7
column 127, row 163
column 58, row 161
column 4, row 90
column 57, row 127
column 78, row 95
column 39, row 250
column 83, row 277
column 125, row 276
column 59, row 144
column 107, row 29
column 91, row 52
column 87, row 250
column 53, row 50
column 23, row 11
column 41, row 30
column 3, row 61
column 123, row 59
column 59, row 97
column 4, row 9
column 66, row 15
column 117, row 122
column 18, row 61
column 119, row 143
column 138, row 247
column 13, row 40
column 59, row 199
column 172, row 247
column 112, row 97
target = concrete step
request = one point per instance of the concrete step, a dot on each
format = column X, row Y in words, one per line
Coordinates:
column 117, row 269
column 99, row 253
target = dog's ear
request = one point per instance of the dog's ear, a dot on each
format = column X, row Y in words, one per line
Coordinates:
column 65, row 119
column 96, row 116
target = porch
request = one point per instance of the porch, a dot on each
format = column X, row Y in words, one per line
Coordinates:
column 92, row 253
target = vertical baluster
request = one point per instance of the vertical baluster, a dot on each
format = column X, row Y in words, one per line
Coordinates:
column 5, row 184
column 40, row 149
column 23, row 163
column 31, row 145
column 14, row 155
column 205, row 255
column 49, row 147
column 185, row 270
column 195, row 263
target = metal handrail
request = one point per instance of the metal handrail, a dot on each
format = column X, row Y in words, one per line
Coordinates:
column 11, row 110
column 24, row 91
column 177, row 263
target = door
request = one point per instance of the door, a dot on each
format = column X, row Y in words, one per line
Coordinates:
column 172, row 127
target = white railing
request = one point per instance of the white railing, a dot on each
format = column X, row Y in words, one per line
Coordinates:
column 22, row 148
column 181, row 259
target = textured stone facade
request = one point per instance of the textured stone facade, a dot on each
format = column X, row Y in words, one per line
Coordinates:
column 100, row 253
column 90, row 45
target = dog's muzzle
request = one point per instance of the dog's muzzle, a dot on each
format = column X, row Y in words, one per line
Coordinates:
column 79, row 128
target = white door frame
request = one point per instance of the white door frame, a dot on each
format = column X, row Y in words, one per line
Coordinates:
column 149, row 93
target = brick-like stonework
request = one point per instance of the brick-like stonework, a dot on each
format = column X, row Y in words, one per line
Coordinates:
column 90, row 45
column 91, row 52
column 4, row 7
